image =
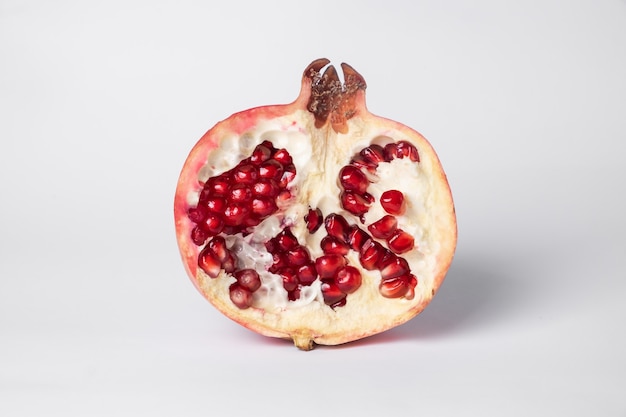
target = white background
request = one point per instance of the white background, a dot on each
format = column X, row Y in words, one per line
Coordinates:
column 100, row 103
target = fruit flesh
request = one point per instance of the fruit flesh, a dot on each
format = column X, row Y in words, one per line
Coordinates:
column 320, row 152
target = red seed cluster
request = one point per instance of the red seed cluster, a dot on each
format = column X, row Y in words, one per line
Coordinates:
column 248, row 281
column 354, row 197
column 292, row 262
column 215, row 256
column 339, row 279
column 239, row 199
column 386, row 228
column 244, row 196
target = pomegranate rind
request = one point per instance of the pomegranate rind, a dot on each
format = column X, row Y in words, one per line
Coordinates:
column 366, row 313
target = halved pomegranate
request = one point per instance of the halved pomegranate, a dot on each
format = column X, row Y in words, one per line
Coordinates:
column 316, row 220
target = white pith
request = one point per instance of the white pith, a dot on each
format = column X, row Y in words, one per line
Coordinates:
column 318, row 160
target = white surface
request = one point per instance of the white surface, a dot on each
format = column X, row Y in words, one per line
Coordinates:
column 99, row 105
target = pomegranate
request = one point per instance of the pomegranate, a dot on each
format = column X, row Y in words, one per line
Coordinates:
column 315, row 221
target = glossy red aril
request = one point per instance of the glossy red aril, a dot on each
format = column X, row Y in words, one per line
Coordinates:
column 384, row 227
column 317, row 220
column 348, row 279
column 393, row 202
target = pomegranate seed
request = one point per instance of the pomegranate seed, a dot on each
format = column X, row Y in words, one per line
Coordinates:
column 217, row 246
column 213, row 224
column 394, row 287
column 386, row 258
column 339, row 303
column 400, row 150
column 261, row 153
column 271, row 246
column 249, row 279
column 209, row 263
column 348, row 279
column 327, row 265
column 336, row 226
column 235, row 213
column 313, row 220
column 293, row 295
column 283, row 157
column 412, row 284
column 265, row 187
column 406, row 149
column 373, row 153
column 360, row 162
column 354, row 203
column 307, row 274
column 401, row 242
column 393, row 202
column 352, row 178
column 197, row 214
column 410, row 293
column 370, row 253
column 231, row 230
column 332, row 245
column 229, row 264
column 396, row 268
column 199, row 235
column 283, row 197
column 357, row 237
column 332, row 294
column 245, row 173
column 390, row 152
column 279, row 261
column 289, row 174
column 263, row 207
column 240, row 296
column 215, row 204
column 285, row 240
column 290, row 279
column 215, row 186
column 384, row 227
column 271, row 169
column 204, row 194
column 239, row 193
column 298, row 256
column 251, row 221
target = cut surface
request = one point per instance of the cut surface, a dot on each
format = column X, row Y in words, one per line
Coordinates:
column 319, row 225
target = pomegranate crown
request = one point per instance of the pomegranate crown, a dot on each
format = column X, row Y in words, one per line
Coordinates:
column 330, row 100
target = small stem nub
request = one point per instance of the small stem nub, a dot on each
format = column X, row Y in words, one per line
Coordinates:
column 303, row 340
